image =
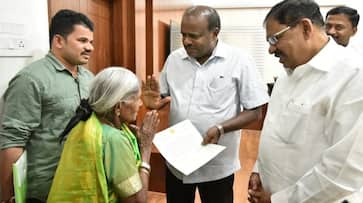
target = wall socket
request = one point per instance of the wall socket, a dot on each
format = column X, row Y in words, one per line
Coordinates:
column 12, row 43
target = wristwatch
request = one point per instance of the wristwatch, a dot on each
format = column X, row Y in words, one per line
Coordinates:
column 220, row 130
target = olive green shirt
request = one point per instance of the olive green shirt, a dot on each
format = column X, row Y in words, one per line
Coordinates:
column 38, row 104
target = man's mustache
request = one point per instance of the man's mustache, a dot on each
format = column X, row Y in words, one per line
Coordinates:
column 86, row 52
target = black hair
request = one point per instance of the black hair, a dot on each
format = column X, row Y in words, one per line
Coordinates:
column 351, row 13
column 62, row 23
column 83, row 112
column 213, row 18
column 289, row 12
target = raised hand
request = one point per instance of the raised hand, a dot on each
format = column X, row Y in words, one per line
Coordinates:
column 146, row 132
column 151, row 94
column 256, row 193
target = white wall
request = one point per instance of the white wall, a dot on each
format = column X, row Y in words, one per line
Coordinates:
column 253, row 17
column 32, row 16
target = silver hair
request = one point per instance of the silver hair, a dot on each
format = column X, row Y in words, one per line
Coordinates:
column 110, row 86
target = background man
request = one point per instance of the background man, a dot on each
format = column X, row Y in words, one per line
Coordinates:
column 341, row 23
column 39, row 102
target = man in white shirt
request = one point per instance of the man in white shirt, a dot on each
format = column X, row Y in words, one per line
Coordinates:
column 218, row 88
column 310, row 143
column 342, row 23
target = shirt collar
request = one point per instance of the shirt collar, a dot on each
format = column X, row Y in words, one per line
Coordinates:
column 219, row 51
column 324, row 60
column 57, row 64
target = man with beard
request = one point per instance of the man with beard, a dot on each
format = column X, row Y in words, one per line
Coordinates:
column 39, row 102
column 341, row 23
column 218, row 88
column 309, row 148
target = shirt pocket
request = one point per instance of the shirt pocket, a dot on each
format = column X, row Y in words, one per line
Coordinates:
column 293, row 122
column 65, row 106
column 220, row 91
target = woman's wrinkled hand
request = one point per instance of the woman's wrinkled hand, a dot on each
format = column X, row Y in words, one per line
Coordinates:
column 148, row 129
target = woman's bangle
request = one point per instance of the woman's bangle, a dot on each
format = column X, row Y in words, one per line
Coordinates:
column 220, row 130
column 146, row 167
column 145, row 171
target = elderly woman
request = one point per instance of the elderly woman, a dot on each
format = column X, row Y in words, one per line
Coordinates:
column 102, row 160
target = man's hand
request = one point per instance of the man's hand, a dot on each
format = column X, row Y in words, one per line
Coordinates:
column 259, row 196
column 151, row 94
column 256, row 193
column 255, row 182
column 212, row 136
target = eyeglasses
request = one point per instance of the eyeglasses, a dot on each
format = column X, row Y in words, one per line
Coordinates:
column 275, row 37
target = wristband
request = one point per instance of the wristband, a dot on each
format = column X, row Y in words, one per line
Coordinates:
column 144, row 165
column 145, row 171
column 220, row 130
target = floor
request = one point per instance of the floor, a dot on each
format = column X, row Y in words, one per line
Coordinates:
column 248, row 153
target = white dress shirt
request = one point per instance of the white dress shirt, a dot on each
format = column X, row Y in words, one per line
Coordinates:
column 209, row 94
column 355, row 45
column 310, row 143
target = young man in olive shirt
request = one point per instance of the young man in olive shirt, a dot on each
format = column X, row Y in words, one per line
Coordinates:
column 39, row 102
